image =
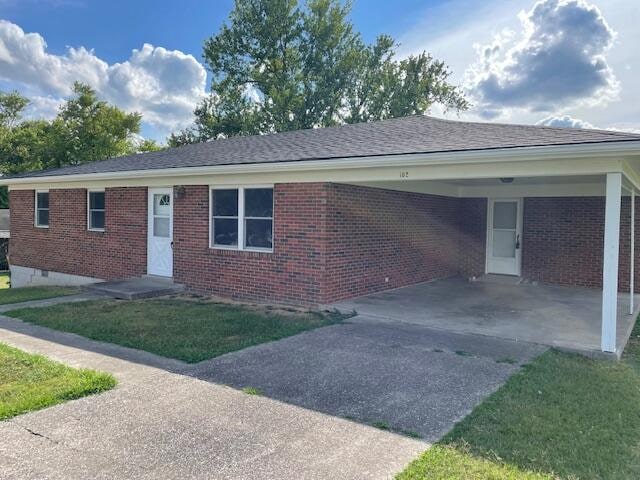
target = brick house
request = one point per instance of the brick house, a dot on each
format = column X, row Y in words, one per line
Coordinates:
column 316, row 216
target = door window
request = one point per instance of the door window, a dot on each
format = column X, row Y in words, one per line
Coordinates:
column 162, row 215
column 505, row 221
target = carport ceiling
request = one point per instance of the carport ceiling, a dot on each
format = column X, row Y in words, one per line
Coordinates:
column 574, row 185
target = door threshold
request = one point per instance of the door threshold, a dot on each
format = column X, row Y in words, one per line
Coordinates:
column 500, row 278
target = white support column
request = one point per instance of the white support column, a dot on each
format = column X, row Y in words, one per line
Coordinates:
column 610, row 264
column 633, row 250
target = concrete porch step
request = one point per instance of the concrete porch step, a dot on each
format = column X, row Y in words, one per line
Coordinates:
column 136, row 288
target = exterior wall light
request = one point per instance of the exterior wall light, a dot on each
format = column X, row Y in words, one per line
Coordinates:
column 179, row 192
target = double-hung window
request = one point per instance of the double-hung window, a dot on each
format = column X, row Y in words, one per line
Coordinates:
column 95, row 210
column 242, row 218
column 42, row 209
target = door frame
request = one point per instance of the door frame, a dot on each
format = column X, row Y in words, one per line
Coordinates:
column 150, row 193
column 489, row 236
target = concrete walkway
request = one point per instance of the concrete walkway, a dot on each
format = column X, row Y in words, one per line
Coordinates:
column 160, row 423
column 167, row 419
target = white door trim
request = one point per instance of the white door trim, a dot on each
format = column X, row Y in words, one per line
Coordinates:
column 517, row 271
column 153, row 267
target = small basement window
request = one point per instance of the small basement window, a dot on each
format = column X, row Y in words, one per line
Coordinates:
column 95, row 211
column 242, row 218
column 42, row 209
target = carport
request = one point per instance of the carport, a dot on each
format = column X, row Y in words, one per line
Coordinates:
column 543, row 258
column 563, row 317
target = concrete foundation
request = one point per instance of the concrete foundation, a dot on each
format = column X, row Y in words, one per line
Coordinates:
column 33, row 277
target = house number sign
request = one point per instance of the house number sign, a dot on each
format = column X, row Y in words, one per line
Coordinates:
column 404, row 174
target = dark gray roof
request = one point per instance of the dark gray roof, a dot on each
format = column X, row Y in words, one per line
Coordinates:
column 414, row 134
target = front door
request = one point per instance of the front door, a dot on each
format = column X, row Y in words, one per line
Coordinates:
column 160, row 233
column 504, row 236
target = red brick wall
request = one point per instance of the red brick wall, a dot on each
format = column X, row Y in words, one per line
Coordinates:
column 331, row 241
column 293, row 273
column 472, row 220
column 376, row 234
column 563, row 241
column 68, row 247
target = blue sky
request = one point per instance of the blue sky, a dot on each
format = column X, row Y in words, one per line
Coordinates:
column 563, row 62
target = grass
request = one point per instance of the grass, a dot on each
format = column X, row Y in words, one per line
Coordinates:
column 5, row 280
column 562, row 416
column 16, row 295
column 508, row 360
column 381, row 424
column 31, row 382
column 252, row 391
column 185, row 329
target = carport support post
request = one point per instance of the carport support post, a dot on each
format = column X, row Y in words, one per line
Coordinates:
column 610, row 264
column 633, row 250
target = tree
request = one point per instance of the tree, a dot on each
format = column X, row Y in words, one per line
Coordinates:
column 86, row 129
column 279, row 66
column 12, row 105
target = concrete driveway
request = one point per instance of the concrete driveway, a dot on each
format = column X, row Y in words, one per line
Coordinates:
column 411, row 378
column 170, row 420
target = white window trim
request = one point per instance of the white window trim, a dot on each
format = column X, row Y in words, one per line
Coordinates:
column 241, row 219
column 35, row 209
column 89, row 192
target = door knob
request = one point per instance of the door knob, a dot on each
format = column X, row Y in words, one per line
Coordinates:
column 517, row 242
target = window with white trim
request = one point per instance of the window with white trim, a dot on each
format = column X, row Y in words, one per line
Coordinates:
column 242, row 218
column 42, row 209
column 95, row 210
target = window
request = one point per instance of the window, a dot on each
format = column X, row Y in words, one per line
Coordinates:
column 162, row 215
column 95, row 211
column 242, row 218
column 42, row 209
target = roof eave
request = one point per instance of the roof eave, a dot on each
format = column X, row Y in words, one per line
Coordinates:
column 622, row 149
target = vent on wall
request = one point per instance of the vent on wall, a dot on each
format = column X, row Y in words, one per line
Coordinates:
column 44, row 273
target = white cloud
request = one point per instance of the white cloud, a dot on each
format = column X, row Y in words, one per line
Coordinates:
column 565, row 121
column 44, row 108
column 558, row 60
column 163, row 85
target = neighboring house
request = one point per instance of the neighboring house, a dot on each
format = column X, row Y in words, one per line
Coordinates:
column 316, row 216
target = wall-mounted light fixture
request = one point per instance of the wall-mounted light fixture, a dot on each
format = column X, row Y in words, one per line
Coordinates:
column 179, row 192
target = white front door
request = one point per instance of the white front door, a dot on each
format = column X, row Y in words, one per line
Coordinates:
column 160, row 233
column 504, row 236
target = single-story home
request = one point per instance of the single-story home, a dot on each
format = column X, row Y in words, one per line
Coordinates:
column 317, row 216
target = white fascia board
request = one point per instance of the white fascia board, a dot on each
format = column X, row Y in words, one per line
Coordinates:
column 600, row 151
column 631, row 174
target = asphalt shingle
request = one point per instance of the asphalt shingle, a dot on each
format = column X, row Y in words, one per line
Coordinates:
column 414, row 134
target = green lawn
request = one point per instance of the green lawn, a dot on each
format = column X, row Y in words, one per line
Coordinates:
column 185, row 329
column 31, row 382
column 5, row 280
column 16, row 295
column 563, row 416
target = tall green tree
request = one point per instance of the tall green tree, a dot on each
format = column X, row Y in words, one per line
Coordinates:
column 277, row 65
column 12, row 104
column 86, row 129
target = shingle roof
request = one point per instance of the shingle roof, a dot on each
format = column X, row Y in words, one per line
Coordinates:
column 414, row 134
